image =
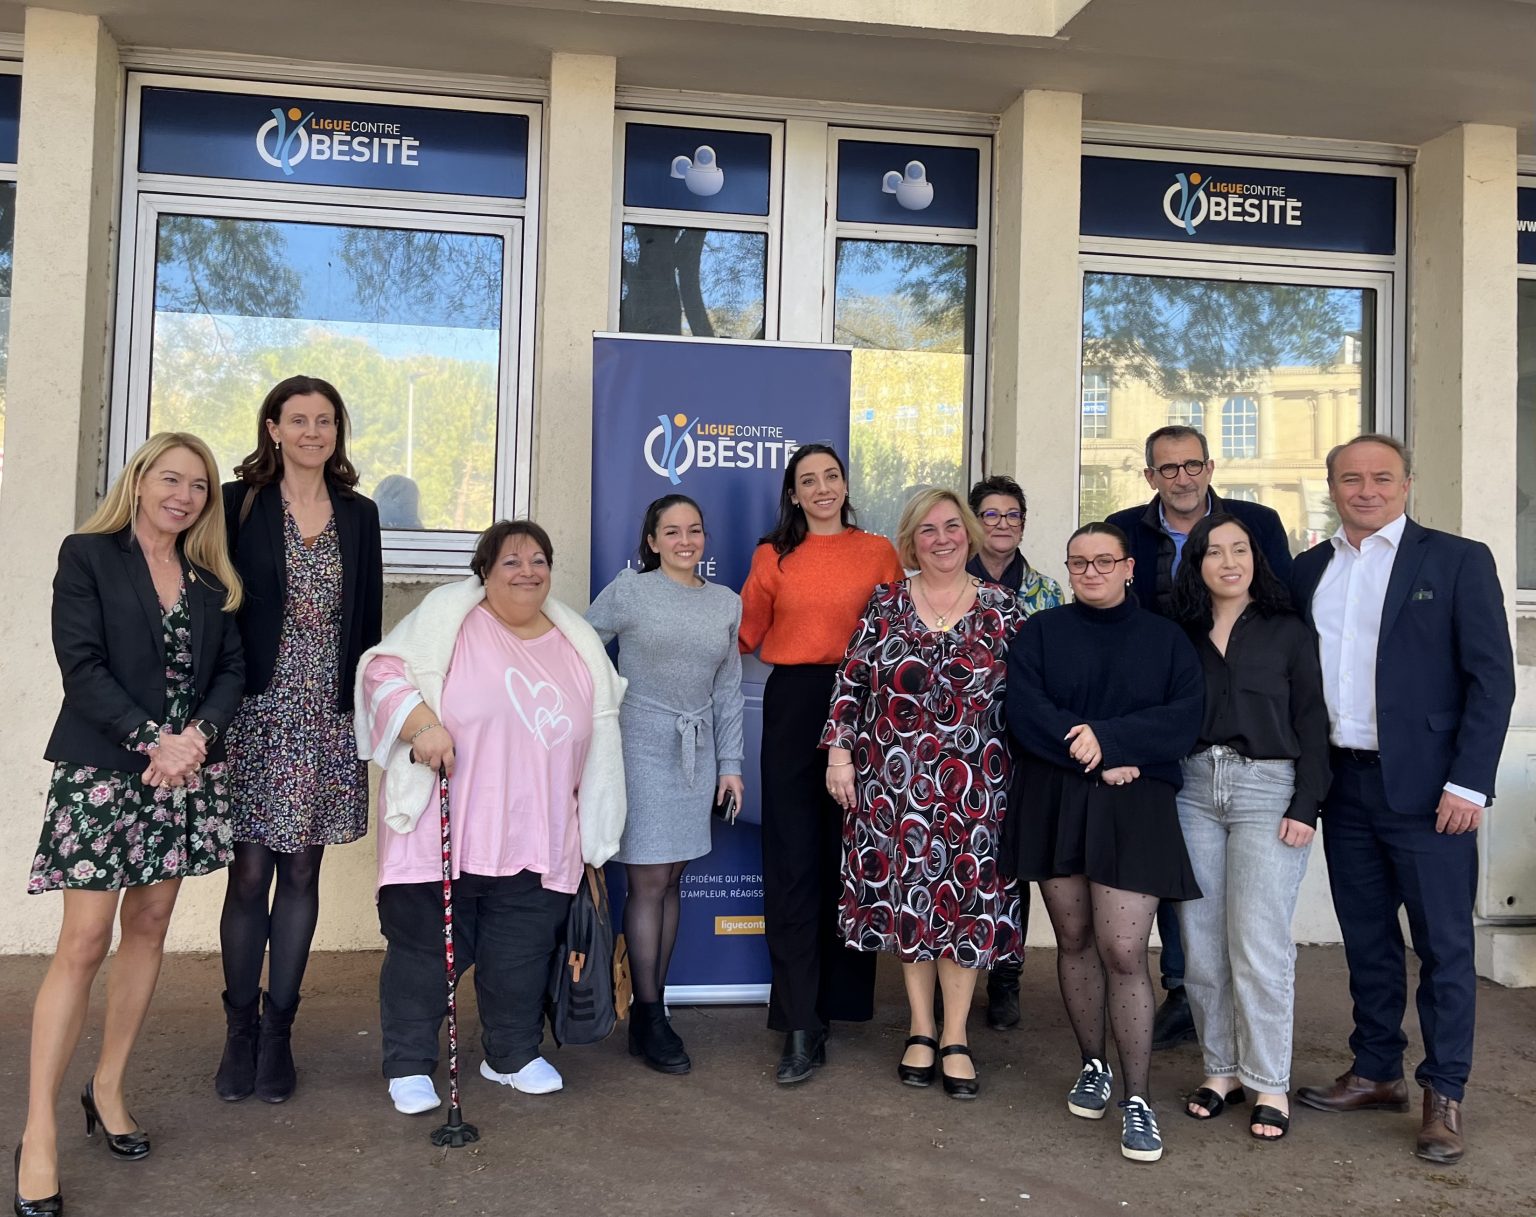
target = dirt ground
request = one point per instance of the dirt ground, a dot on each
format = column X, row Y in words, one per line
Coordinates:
column 727, row 1141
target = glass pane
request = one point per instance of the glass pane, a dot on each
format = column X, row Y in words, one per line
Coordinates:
column 698, row 282
column 7, row 240
column 1525, row 437
column 1275, row 375
column 405, row 323
column 909, row 311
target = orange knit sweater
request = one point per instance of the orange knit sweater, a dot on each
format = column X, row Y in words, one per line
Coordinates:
column 805, row 611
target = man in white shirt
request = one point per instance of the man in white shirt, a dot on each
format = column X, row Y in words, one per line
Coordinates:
column 1419, row 679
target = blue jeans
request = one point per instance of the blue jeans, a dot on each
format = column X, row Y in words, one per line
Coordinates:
column 1240, row 958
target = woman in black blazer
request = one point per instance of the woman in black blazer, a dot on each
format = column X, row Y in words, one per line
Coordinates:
column 145, row 634
column 307, row 547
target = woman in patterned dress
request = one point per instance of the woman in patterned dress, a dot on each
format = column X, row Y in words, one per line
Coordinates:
column 308, row 551
column 144, row 631
column 917, row 756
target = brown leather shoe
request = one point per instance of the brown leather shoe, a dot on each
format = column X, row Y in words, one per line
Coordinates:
column 1440, row 1138
column 1351, row 1092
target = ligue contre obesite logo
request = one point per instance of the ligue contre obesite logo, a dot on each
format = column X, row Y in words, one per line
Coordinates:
column 290, row 137
column 1195, row 198
column 679, row 443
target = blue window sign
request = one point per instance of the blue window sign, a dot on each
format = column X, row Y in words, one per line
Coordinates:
column 697, row 169
column 1525, row 226
column 317, row 142
column 10, row 117
column 1211, row 203
column 921, row 185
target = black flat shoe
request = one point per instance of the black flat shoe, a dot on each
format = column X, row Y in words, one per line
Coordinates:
column 1266, row 1116
column 918, row 1075
column 959, row 1088
column 129, row 1146
column 48, row 1206
column 803, row 1051
column 1213, row 1103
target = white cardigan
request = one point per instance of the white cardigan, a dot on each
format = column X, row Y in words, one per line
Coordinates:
column 423, row 641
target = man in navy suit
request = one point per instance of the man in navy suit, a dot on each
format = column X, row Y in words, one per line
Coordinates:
column 1179, row 468
column 1419, row 680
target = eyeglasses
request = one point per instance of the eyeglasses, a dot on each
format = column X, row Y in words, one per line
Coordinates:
column 1104, row 564
column 1170, row 471
column 993, row 518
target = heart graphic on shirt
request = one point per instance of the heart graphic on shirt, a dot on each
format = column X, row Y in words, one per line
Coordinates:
column 539, row 706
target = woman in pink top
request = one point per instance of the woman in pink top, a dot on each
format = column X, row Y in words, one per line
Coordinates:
column 512, row 695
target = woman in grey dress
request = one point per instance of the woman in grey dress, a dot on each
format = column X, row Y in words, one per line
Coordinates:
column 681, row 722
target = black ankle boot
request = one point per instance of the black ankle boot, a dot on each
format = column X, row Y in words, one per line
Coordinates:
column 651, row 1039
column 236, row 1078
column 275, row 1074
column 1003, row 996
column 803, row 1051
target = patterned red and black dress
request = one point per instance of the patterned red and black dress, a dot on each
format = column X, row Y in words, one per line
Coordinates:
column 922, row 712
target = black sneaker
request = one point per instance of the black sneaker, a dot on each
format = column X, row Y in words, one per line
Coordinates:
column 1174, row 1022
column 1139, row 1139
column 1089, row 1097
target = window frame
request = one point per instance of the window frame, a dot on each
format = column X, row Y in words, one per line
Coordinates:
column 1525, row 597
column 1082, row 406
column 1250, row 424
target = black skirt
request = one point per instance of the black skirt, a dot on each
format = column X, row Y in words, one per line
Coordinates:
column 1127, row 837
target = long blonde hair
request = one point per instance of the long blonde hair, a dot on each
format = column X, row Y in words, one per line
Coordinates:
column 205, row 544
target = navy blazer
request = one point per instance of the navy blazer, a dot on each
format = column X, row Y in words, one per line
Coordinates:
column 1153, row 548
column 109, row 636
column 1445, row 672
column 257, row 549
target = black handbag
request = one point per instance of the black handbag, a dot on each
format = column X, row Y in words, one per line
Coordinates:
column 589, row 989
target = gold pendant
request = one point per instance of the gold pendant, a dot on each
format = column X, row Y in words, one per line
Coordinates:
column 941, row 621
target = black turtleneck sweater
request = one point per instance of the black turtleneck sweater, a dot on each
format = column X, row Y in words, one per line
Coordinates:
column 1129, row 674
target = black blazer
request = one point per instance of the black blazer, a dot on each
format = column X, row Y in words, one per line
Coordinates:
column 110, row 642
column 257, row 548
column 1445, row 674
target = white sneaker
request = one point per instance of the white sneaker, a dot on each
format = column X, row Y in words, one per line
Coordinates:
column 414, row 1095
column 538, row 1076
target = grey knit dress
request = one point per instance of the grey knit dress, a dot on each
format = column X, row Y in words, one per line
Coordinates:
column 681, row 718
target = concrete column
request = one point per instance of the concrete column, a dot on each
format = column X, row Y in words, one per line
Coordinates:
column 56, row 396
column 574, row 289
column 1034, row 416
column 802, row 251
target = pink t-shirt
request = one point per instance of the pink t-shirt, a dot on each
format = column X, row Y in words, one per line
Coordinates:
column 520, row 713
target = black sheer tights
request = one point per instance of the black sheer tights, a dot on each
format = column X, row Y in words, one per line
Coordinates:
column 249, row 923
column 650, row 924
column 1102, row 932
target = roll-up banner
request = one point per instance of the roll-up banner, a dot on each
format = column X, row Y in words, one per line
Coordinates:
column 716, row 420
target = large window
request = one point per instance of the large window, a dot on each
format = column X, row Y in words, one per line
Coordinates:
column 700, row 282
column 1095, row 405
column 1240, row 428
column 1187, row 414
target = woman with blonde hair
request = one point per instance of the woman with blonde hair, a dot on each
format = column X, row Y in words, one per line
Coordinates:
column 144, row 630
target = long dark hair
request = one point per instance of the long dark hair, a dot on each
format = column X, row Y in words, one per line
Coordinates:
column 649, row 558
column 1191, row 597
column 790, row 528
column 265, row 463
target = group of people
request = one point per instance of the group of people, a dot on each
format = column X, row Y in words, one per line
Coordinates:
column 940, row 729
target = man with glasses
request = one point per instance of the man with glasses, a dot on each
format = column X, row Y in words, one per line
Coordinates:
column 1179, row 468
column 998, row 502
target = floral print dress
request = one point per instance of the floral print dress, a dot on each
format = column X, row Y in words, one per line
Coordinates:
column 105, row 829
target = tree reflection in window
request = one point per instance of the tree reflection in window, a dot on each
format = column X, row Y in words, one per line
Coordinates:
column 700, row 282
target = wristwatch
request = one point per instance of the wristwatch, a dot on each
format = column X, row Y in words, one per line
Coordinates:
column 204, row 728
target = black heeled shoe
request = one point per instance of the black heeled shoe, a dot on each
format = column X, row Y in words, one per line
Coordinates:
column 129, row 1146
column 48, row 1206
column 918, row 1075
column 959, row 1088
column 803, row 1052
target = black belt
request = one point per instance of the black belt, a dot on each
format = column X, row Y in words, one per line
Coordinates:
column 1360, row 756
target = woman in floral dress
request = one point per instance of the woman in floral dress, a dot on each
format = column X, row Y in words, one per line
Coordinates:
column 144, row 631
column 918, row 759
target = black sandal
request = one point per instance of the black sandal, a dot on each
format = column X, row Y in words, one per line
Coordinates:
column 959, row 1088
column 1266, row 1116
column 1214, row 1103
column 918, row 1075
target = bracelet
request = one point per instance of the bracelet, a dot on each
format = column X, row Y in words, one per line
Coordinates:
column 839, row 764
column 420, row 731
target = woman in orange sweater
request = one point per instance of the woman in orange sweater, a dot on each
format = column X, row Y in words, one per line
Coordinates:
column 810, row 580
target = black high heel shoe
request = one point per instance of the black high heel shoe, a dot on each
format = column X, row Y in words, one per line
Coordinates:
column 918, row 1075
column 129, row 1146
column 48, row 1206
column 959, row 1088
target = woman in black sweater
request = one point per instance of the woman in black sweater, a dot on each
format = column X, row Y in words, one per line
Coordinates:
column 1104, row 698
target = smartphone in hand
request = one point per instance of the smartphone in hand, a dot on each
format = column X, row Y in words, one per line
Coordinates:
column 726, row 809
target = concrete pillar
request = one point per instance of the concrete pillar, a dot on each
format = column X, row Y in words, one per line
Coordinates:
column 1034, row 415
column 574, row 289
column 55, row 397
column 802, row 249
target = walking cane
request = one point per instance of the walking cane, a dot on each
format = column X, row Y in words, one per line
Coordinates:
column 455, row 1134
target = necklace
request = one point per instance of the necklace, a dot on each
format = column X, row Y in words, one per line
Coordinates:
column 944, row 616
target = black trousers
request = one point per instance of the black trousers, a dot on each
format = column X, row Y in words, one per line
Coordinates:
column 504, row 927
column 815, row 977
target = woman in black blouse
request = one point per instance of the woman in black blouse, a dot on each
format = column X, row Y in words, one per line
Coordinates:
column 1248, row 808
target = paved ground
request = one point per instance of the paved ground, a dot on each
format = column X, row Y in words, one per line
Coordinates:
column 727, row 1141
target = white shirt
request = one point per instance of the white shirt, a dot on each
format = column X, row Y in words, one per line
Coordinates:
column 1346, row 609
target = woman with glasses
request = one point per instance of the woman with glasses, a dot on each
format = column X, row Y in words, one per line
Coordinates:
column 1103, row 701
